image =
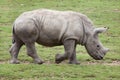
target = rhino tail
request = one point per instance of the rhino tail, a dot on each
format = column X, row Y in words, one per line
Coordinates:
column 13, row 36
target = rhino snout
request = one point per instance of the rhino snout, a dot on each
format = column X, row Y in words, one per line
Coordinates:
column 100, row 57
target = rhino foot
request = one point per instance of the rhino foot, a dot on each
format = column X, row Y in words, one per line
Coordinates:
column 14, row 61
column 59, row 58
column 38, row 61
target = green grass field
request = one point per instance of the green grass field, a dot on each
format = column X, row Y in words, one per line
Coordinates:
column 104, row 13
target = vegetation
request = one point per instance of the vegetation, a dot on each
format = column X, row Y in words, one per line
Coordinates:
column 104, row 13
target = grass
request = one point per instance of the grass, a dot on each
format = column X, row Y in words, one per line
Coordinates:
column 104, row 13
column 64, row 72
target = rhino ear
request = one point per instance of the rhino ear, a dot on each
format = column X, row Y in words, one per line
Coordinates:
column 99, row 30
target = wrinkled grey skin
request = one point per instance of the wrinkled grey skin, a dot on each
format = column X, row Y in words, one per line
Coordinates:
column 54, row 28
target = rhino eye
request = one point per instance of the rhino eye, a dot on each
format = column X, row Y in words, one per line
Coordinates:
column 98, row 46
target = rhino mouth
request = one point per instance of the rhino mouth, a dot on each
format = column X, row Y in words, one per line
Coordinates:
column 97, row 55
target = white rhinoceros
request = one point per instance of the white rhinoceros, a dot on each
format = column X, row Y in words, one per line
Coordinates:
column 54, row 28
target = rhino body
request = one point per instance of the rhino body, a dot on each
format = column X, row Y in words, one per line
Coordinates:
column 54, row 28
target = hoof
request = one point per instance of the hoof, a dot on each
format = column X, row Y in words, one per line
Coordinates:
column 56, row 61
column 58, row 58
column 14, row 62
column 38, row 62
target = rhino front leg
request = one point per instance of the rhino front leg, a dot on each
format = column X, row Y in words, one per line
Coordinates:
column 70, row 52
column 31, row 51
column 60, row 57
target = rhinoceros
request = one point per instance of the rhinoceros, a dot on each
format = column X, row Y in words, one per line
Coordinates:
column 54, row 28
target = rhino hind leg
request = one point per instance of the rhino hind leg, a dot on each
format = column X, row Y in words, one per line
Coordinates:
column 31, row 51
column 14, row 50
column 70, row 53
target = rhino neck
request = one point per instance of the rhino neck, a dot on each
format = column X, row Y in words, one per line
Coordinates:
column 84, row 37
column 87, row 29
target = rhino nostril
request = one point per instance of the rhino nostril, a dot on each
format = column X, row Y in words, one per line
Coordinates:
column 101, row 57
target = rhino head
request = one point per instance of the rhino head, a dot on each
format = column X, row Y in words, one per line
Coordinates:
column 93, row 45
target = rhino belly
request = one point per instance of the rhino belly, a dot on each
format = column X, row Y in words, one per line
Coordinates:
column 49, row 38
